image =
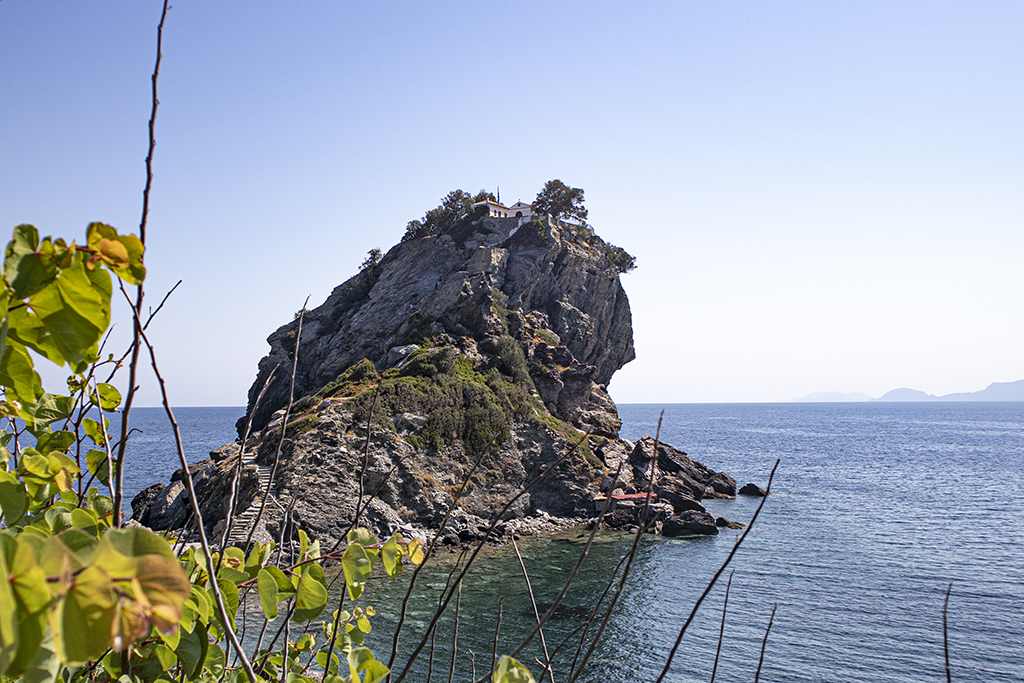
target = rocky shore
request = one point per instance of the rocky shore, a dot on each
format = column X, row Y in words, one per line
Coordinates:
column 480, row 355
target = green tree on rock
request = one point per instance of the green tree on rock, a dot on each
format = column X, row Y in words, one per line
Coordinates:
column 558, row 200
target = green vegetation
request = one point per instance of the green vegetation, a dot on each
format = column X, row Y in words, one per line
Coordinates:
column 547, row 337
column 373, row 257
column 418, row 329
column 352, row 381
column 620, row 258
column 461, row 404
column 558, row 200
column 453, row 216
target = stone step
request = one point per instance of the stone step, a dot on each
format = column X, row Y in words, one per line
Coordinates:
column 243, row 522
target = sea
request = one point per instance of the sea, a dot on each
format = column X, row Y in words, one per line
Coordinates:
column 876, row 509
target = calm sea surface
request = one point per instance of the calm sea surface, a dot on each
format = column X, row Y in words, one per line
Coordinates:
column 875, row 509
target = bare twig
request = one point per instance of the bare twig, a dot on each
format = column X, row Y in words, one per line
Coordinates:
column 536, row 612
column 497, row 632
column 366, row 456
column 764, row 643
column 133, row 366
column 145, row 326
column 945, row 636
column 229, row 626
column 728, row 559
column 593, row 613
column 721, row 629
column 455, row 632
column 284, row 428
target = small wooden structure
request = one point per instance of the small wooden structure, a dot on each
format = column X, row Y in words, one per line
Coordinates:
column 600, row 499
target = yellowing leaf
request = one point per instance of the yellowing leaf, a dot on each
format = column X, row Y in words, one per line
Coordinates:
column 415, row 550
column 511, row 671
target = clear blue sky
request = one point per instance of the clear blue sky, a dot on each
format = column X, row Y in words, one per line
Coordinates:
column 820, row 196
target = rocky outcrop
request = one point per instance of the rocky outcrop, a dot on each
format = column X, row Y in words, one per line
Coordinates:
column 753, row 490
column 459, row 369
column 690, row 523
column 549, row 286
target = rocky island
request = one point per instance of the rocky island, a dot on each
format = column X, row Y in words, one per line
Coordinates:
column 481, row 336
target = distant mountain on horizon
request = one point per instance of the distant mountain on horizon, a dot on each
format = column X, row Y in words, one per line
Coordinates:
column 997, row 391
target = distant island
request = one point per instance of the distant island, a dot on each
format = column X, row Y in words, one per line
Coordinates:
column 997, row 391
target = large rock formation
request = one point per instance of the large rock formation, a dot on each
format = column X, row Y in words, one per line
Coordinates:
column 492, row 342
column 550, row 286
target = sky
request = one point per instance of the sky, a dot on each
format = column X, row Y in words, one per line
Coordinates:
column 820, row 196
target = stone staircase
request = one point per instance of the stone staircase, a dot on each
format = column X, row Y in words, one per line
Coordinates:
column 243, row 522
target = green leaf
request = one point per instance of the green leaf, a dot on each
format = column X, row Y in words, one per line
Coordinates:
column 356, row 566
column 94, row 431
column 4, row 298
column 362, row 536
column 215, row 661
column 511, row 671
column 361, row 659
column 311, row 598
column 229, row 592
column 44, row 665
column 18, row 375
column 28, row 580
column 285, row 589
column 192, row 650
column 85, row 520
column 137, row 542
column 96, row 463
column 162, row 580
column 8, row 620
column 376, row 671
column 13, row 500
column 81, row 622
column 365, row 538
column 165, row 656
column 110, row 397
column 48, row 442
column 26, row 271
column 72, row 333
column 268, row 593
column 86, row 293
column 363, row 624
column 26, row 328
column 257, row 557
column 391, row 556
column 58, row 518
column 50, row 409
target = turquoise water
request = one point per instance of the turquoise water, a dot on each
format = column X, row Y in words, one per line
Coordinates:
column 876, row 508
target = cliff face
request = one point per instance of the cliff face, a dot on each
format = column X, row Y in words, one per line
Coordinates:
column 550, row 287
